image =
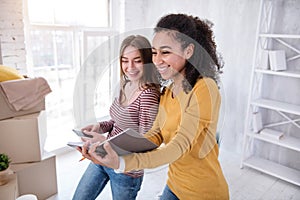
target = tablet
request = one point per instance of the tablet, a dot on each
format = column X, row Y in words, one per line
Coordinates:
column 81, row 133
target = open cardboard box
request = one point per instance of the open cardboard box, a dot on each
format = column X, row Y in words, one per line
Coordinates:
column 7, row 112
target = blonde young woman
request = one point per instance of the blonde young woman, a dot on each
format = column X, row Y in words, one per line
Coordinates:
column 136, row 108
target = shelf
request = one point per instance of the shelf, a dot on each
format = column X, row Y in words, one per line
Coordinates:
column 279, row 36
column 286, row 141
column 294, row 74
column 277, row 105
column 274, row 169
column 261, row 77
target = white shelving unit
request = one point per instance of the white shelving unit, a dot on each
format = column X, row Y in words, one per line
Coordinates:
column 257, row 101
column 293, row 74
column 277, row 105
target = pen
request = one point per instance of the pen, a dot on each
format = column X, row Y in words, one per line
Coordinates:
column 82, row 159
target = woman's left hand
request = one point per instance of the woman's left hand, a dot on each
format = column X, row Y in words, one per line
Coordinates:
column 111, row 159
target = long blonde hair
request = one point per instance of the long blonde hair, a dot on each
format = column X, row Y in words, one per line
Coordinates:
column 151, row 77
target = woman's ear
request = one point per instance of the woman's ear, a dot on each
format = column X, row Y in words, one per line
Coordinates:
column 189, row 51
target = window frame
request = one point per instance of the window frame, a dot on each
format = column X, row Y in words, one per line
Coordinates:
column 80, row 35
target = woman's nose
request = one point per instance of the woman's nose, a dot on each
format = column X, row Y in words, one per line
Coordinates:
column 156, row 58
column 130, row 64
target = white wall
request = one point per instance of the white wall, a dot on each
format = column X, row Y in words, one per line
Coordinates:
column 12, row 34
column 234, row 26
column 235, row 23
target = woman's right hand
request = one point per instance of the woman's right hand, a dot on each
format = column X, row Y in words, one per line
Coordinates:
column 92, row 128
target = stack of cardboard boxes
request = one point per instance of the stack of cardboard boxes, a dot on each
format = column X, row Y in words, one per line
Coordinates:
column 22, row 138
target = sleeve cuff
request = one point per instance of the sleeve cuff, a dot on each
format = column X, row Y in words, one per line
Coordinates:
column 121, row 168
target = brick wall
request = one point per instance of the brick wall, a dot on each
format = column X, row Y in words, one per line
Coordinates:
column 12, row 34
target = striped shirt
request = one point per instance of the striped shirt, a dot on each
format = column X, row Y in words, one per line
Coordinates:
column 139, row 115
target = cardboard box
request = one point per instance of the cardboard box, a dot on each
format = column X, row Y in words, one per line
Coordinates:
column 9, row 191
column 277, row 60
column 6, row 111
column 257, row 122
column 23, row 138
column 264, row 60
column 38, row 178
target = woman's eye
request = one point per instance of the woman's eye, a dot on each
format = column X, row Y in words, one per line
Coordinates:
column 154, row 53
column 138, row 61
column 124, row 61
column 165, row 52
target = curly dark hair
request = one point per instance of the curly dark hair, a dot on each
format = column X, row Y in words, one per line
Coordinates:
column 205, row 62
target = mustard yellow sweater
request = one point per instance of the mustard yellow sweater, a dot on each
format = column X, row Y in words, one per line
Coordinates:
column 187, row 125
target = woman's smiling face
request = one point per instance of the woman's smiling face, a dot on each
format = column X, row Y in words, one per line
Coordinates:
column 168, row 55
column 132, row 64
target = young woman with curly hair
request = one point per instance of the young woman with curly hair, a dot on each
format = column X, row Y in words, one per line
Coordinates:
column 184, row 52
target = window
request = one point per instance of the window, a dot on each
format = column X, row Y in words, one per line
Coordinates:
column 60, row 34
column 88, row 13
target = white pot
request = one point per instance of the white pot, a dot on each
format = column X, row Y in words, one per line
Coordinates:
column 4, row 176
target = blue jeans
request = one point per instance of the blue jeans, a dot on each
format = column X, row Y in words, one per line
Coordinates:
column 168, row 194
column 95, row 178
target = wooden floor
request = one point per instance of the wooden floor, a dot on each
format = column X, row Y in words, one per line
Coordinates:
column 249, row 184
column 244, row 184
